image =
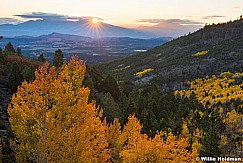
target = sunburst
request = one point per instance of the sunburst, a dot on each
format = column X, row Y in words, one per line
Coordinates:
column 95, row 20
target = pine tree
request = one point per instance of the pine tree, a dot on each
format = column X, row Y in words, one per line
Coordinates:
column 58, row 59
column 15, row 77
column 1, row 55
column 9, row 49
column 19, row 52
column 149, row 122
column 41, row 58
column 211, row 139
column 110, row 85
column 110, row 108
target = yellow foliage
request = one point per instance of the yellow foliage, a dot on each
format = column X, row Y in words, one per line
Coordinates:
column 122, row 68
column 53, row 121
column 145, row 71
column 214, row 89
column 185, row 130
column 200, row 53
column 133, row 147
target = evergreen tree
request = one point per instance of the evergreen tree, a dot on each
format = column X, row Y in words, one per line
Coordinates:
column 1, row 54
column 9, row 49
column 211, row 140
column 132, row 107
column 19, row 52
column 149, row 122
column 110, row 85
column 126, row 87
column 88, row 82
column 110, row 108
column 41, row 58
column 15, row 77
column 1, row 51
column 123, row 105
column 58, row 59
column 28, row 72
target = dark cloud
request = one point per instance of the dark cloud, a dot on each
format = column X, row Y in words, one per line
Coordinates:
column 213, row 16
column 172, row 21
column 41, row 15
column 53, row 17
column 9, row 21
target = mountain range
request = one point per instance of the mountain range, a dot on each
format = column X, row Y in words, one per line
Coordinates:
column 83, row 27
column 208, row 51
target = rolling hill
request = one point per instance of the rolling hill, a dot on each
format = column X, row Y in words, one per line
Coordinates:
column 209, row 51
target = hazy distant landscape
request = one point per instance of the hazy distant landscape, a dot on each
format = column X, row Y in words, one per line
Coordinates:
column 92, row 50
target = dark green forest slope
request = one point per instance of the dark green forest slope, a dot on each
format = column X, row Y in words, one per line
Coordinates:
column 211, row 50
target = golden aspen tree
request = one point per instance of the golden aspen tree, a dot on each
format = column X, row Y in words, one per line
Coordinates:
column 113, row 134
column 185, row 130
column 134, row 147
column 214, row 89
column 53, row 121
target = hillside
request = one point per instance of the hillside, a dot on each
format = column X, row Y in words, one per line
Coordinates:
column 13, row 70
column 208, row 51
column 225, row 88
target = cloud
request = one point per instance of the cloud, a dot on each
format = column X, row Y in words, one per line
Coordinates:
column 9, row 21
column 88, row 18
column 41, row 15
column 213, row 17
column 171, row 21
column 171, row 27
column 53, row 17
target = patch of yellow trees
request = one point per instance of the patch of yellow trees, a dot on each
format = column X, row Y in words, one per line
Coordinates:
column 52, row 121
column 214, row 89
column 200, row 53
column 145, row 71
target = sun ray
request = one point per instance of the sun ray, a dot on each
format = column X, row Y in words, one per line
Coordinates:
column 95, row 20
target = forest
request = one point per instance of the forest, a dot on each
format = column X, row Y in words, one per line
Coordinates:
column 66, row 111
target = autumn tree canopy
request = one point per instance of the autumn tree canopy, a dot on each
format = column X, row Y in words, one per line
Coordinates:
column 53, row 121
column 129, row 145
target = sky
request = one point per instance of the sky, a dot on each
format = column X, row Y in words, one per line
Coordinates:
column 129, row 13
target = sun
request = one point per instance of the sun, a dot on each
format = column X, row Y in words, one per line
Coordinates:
column 95, row 20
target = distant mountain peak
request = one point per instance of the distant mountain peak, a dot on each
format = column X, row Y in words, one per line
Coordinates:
column 80, row 28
